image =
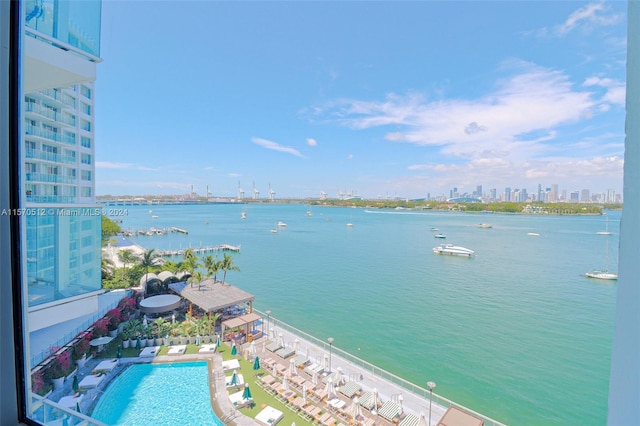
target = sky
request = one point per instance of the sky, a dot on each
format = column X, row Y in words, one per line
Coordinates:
column 372, row 98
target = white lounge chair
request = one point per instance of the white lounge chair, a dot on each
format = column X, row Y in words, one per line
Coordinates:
column 91, row 381
column 209, row 348
column 149, row 352
column 177, row 350
column 238, row 400
column 269, row 416
column 107, row 365
column 231, row 364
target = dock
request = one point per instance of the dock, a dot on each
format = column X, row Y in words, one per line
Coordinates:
column 200, row 250
column 180, row 230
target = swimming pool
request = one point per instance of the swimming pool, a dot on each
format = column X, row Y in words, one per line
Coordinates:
column 158, row 394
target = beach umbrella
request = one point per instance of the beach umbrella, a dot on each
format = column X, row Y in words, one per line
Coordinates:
column 355, row 409
column 325, row 363
column 280, row 340
column 74, row 384
column 314, row 378
column 234, row 349
column 285, row 383
column 296, row 345
column 138, row 343
column 264, row 346
column 422, row 421
column 252, row 348
column 218, row 342
column 234, row 378
column 304, row 394
column 274, row 370
column 338, row 377
column 198, row 340
column 119, row 355
column 292, row 367
column 400, row 399
column 256, row 363
column 273, row 332
column 247, row 392
column 329, row 388
column 374, row 400
column 78, row 407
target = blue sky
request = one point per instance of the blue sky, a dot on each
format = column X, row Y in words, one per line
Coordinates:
column 375, row 98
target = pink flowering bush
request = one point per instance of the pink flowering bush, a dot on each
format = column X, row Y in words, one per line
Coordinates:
column 101, row 327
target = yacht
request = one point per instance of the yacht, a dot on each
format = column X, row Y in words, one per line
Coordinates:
column 601, row 275
column 452, row 250
column 533, row 234
column 282, row 225
column 440, row 235
column 483, row 225
column 243, row 215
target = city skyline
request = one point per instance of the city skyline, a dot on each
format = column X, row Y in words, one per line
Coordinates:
column 324, row 97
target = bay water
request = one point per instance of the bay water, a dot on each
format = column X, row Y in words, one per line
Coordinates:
column 516, row 333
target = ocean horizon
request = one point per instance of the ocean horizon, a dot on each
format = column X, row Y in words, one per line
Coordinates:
column 516, row 333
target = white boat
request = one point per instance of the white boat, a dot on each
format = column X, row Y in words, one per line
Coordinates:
column 452, row 250
column 274, row 231
column 483, row 225
column 154, row 217
column 533, row 234
column 349, row 225
column 282, row 225
column 606, row 231
column 243, row 215
column 440, row 235
column 603, row 274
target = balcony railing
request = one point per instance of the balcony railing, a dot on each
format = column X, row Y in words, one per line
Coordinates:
column 54, row 199
column 45, row 177
column 49, row 156
column 48, row 134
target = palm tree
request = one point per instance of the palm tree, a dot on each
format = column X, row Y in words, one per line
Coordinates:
column 196, row 277
column 127, row 256
column 212, row 265
column 149, row 259
column 190, row 262
column 107, row 268
column 226, row 264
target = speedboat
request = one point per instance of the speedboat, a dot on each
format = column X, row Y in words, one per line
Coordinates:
column 601, row 275
column 440, row 235
column 452, row 250
column 282, row 225
column 483, row 225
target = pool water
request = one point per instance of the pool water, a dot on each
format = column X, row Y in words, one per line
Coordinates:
column 158, row 394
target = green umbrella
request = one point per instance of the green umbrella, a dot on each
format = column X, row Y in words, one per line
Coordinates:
column 234, row 350
column 256, row 363
column 74, row 384
column 138, row 343
column 234, row 378
column 119, row 351
column 247, row 392
column 78, row 407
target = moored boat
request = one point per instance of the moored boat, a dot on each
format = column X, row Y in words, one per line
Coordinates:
column 452, row 250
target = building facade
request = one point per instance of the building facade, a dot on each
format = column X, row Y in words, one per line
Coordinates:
column 63, row 220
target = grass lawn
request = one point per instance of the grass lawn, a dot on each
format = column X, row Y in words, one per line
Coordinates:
column 260, row 397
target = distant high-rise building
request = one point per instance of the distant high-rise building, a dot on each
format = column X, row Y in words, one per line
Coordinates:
column 574, row 197
column 584, row 195
column 507, row 194
column 553, row 193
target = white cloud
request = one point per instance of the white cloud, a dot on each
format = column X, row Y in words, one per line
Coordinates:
column 129, row 166
column 312, row 142
column 587, row 17
column 514, row 119
column 274, row 146
column 350, row 157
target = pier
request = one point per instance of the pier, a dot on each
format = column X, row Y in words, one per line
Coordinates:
column 200, row 250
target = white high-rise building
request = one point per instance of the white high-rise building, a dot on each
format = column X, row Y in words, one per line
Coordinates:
column 63, row 221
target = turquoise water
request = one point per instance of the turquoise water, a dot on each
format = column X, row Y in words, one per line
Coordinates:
column 158, row 394
column 515, row 333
